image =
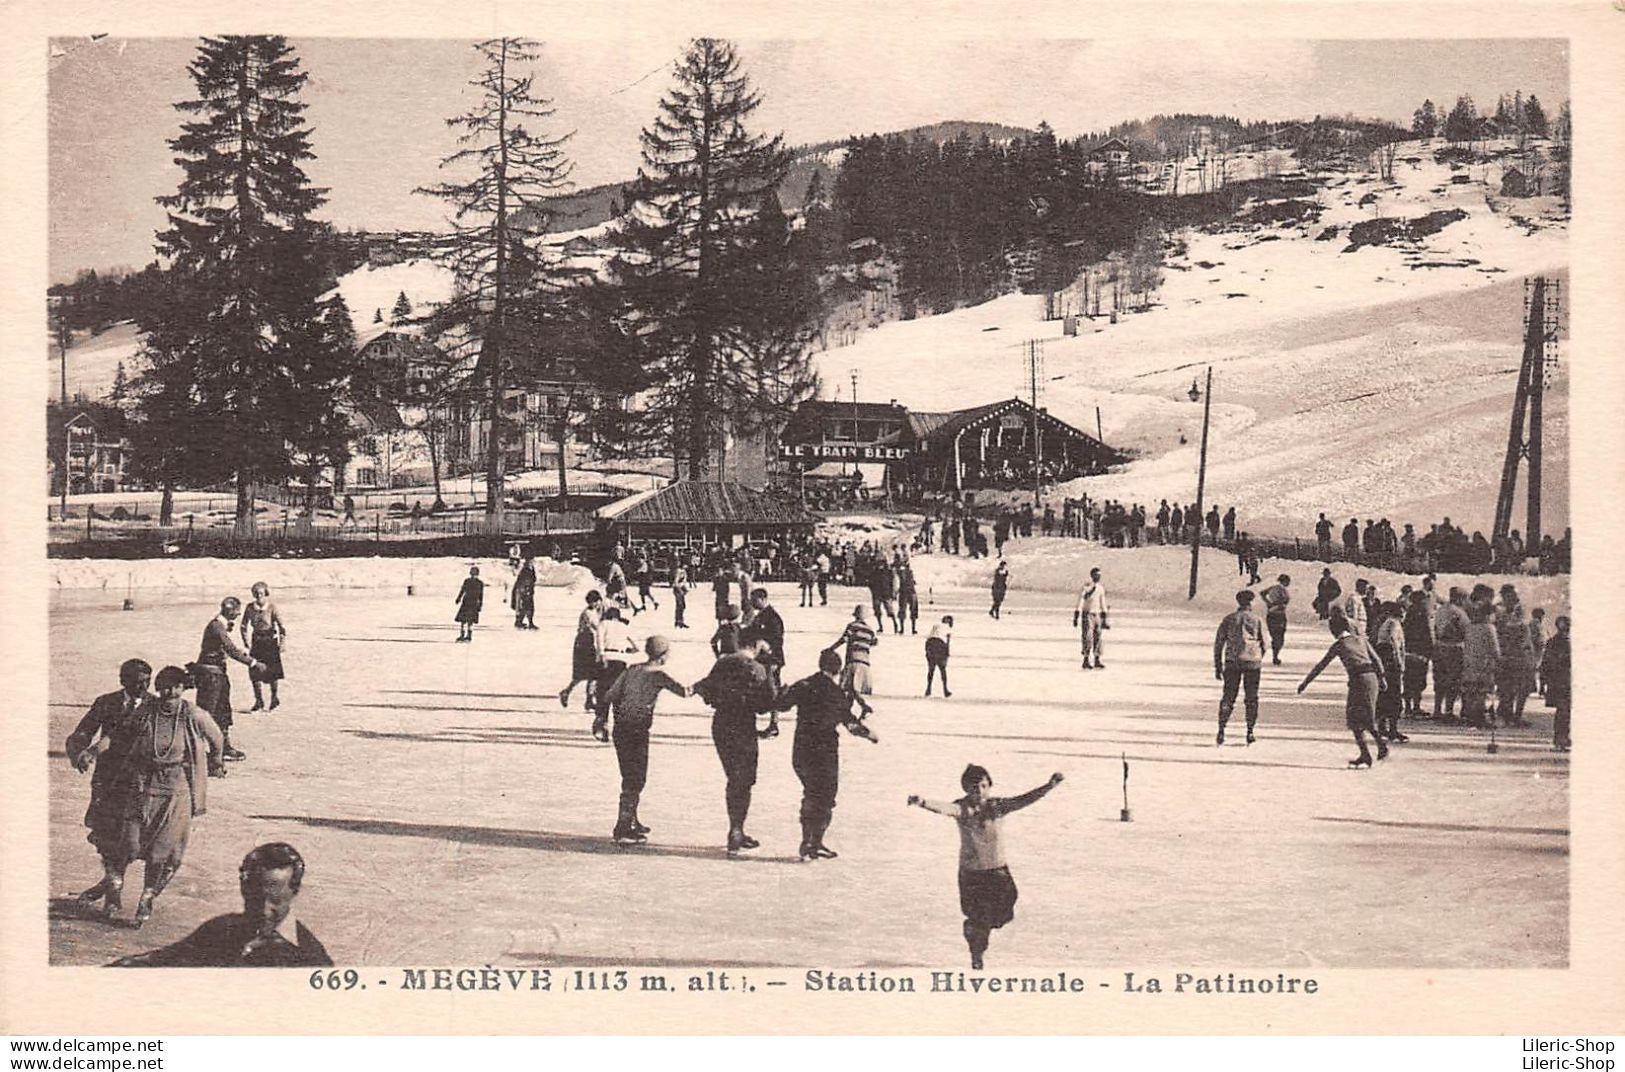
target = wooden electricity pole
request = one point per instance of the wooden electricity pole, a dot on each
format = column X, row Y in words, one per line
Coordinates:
column 1201, row 483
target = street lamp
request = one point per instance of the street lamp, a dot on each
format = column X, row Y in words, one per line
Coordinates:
column 1195, row 392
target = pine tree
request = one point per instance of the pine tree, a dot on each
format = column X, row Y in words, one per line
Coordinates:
column 121, row 384
column 378, row 315
column 242, row 339
column 402, row 309
column 493, row 251
column 1461, row 125
column 1425, row 121
column 706, row 264
column 1534, row 117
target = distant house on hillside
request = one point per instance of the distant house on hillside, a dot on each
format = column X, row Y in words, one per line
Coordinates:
column 1517, row 183
column 1112, row 159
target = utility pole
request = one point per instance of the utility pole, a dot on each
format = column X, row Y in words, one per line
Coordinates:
column 1201, row 483
column 63, row 337
column 1034, row 356
column 1540, row 339
column 854, row 374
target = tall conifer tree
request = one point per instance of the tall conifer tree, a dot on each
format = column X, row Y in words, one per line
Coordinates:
column 502, row 273
column 242, row 339
column 716, row 295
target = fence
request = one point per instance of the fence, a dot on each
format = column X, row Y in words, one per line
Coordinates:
column 272, row 500
column 401, row 533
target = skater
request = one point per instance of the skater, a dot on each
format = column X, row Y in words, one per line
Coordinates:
column 679, row 596
column 91, row 744
column 908, row 596
column 987, row 893
column 859, row 640
column 737, row 690
column 1001, row 584
column 523, row 599
column 1354, row 607
column 168, row 751
column 1555, row 677
column 722, row 583
column 937, row 650
column 1238, row 659
column 725, row 641
column 1419, row 618
column 470, row 598
column 585, row 655
column 808, row 574
column 1390, row 649
column 1091, row 614
column 615, row 587
column 1326, row 593
column 883, row 593
column 1323, row 538
column 632, row 697
column 767, row 624
column 642, row 575
column 1449, row 642
column 824, row 566
column 349, row 512
column 1515, row 674
column 1365, row 681
column 821, row 705
column 212, row 682
column 1480, row 660
column 263, row 635
column 264, row 935
column 615, row 643
column 1276, row 597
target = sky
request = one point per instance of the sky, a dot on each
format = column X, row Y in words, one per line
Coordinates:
column 377, row 108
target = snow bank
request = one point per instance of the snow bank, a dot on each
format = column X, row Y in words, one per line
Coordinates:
column 426, row 574
column 1161, row 575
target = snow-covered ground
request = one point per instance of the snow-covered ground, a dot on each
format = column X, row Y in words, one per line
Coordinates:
column 427, row 574
column 450, row 812
column 1375, row 382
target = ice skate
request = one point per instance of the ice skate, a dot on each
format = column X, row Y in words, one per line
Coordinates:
column 1219, row 739
column 625, row 835
column 1250, row 737
column 143, row 909
column 824, row 852
column 1360, row 761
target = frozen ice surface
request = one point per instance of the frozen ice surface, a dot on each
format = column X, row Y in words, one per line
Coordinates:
column 452, row 814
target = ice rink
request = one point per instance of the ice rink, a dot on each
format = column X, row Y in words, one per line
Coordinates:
column 451, row 813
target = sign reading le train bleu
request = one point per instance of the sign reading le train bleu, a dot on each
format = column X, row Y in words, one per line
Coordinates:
column 849, row 452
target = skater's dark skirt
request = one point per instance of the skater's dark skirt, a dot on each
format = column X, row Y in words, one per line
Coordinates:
column 988, row 898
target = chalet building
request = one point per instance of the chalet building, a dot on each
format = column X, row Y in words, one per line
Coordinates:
column 395, row 448
column 98, row 453
column 705, row 515
column 889, row 446
column 1516, row 182
column 1111, row 160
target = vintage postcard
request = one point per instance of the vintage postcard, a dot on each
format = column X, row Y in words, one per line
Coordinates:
column 941, row 519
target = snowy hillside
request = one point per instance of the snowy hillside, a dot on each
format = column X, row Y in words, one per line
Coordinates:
column 1373, row 381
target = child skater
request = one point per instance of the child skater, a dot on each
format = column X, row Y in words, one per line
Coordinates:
column 469, row 599
column 1365, row 683
column 1001, row 585
column 937, row 647
column 987, row 893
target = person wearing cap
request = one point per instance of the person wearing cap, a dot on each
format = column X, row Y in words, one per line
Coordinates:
column 1238, row 659
column 266, row 934
column 1276, row 597
column 91, row 745
column 209, row 670
column 767, row 624
column 859, row 640
column 523, row 598
column 822, row 704
column 168, row 749
column 1364, row 669
column 1449, row 653
column 470, row 598
column 632, row 698
column 737, row 689
column 1326, row 593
